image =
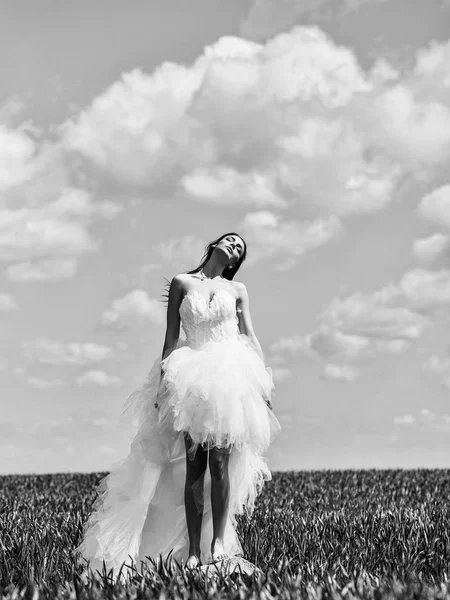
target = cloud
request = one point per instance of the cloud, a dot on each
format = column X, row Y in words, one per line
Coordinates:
column 53, row 229
column 145, row 272
column 432, row 62
column 225, row 185
column 133, row 307
column 388, row 320
column 52, row 352
column 186, row 250
column 7, row 303
column 10, row 109
column 368, row 316
column 425, row 422
column 290, row 346
column 66, row 433
column 435, row 206
column 422, row 290
column 52, row 269
column 405, row 420
column 396, row 346
column 356, row 5
column 327, row 342
column 413, row 127
column 17, row 150
column 35, row 233
column 280, row 374
column 430, row 249
column 362, row 325
column 437, row 364
column 46, row 426
column 345, row 373
column 97, row 378
column 292, row 121
column 266, row 18
column 137, row 128
column 272, row 235
column 45, row 211
column 40, row 383
column 426, row 414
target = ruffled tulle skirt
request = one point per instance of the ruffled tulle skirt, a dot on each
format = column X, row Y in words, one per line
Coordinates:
column 218, row 394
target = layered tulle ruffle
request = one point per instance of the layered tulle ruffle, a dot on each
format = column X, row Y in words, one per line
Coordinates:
column 217, row 394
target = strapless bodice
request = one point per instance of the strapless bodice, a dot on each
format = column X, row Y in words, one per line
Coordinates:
column 204, row 322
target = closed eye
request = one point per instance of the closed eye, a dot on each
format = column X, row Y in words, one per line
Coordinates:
column 238, row 245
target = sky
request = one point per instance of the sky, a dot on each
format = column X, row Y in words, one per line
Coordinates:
column 132, row 134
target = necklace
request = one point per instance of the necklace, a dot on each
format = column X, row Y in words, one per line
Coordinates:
column 203, row 276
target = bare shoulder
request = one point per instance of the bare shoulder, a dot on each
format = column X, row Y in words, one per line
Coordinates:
column 180, row 280
column 240, row 288
column 183, row 283
column 177, row 289
column 241, row 293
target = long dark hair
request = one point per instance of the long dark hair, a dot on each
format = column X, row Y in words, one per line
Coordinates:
column 228, row 273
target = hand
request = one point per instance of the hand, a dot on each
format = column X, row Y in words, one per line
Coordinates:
column 158, row 395
column 268, row 402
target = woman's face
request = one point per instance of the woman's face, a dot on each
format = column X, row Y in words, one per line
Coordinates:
column 233, row 247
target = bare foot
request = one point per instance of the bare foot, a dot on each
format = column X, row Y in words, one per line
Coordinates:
column 217, row 551
column 193, row 561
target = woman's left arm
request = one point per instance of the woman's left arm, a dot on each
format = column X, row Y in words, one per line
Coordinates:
column 245, row 320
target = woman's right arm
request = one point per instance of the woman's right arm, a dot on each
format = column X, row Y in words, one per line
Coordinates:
column 173, row 317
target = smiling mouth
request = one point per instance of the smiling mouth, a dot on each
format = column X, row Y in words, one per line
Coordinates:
column 229, row 249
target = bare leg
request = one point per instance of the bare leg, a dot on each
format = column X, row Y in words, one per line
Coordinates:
column 194, row 470
column 220, row 497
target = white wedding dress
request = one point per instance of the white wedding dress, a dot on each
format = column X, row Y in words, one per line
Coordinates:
column 214, row 387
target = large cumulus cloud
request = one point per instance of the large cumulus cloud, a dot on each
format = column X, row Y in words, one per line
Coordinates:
column 295, row 122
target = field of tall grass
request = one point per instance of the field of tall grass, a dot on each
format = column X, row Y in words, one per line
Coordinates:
column 319, row 534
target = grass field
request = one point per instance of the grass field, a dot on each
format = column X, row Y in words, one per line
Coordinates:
column 318, row 534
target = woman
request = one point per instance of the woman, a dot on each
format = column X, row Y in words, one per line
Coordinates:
column 206, row 403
